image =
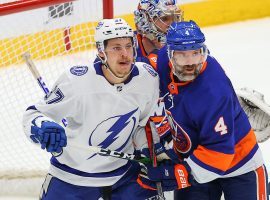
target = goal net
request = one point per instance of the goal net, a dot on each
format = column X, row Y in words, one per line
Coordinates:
column 57, row 34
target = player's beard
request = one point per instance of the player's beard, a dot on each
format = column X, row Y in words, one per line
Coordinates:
column 187, row 72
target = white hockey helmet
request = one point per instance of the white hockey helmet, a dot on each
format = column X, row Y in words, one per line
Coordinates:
column 110, row 29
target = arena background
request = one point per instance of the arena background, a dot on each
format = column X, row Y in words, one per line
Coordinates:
column 208, row 12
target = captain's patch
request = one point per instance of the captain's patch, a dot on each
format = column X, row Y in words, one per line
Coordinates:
column 79, row 70
column 150, row 70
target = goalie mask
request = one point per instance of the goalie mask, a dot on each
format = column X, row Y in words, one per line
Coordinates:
column 186, row 50
column 153, row 15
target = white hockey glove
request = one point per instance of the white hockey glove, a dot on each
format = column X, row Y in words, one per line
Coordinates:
column 257, row 110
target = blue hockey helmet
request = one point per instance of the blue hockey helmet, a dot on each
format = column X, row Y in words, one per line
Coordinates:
column 185, row 35
column 186, row 49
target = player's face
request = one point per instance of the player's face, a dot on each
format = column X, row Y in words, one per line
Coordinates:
column 163, row 23
column 120, row 55
column 171, row 15
column 187, row 64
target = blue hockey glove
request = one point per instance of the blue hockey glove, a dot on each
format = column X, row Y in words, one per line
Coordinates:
column 50, row 135
column 172, row 176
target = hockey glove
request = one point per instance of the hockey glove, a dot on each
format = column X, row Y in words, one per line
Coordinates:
column 50, row 135
column 172, row 176
column 161, row 153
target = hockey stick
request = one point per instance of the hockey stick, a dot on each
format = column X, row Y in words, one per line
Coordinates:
column 153, row 156
column 101, row 151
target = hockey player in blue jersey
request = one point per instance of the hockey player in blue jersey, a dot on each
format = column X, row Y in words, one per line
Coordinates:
column 216, row 146
column 106, row 104
column 152, row 20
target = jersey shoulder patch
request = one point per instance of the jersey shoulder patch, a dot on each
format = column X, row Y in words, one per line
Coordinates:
column 150, row 69
column 78, row 70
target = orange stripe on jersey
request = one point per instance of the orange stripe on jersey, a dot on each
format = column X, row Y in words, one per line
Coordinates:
column 157, row 119
column 139, row 39
column 261, row 183
column 243, row 147
column 153, row 60
column 212, row 158
column 203, row 67
column 139, row 181
column 224, row 161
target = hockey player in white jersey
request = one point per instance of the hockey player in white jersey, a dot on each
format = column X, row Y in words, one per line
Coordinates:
column 106, row 104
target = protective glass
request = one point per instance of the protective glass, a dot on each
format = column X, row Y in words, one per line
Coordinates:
column 187, row 64
column 166, row 19
column 176, row 14
column 191, row 57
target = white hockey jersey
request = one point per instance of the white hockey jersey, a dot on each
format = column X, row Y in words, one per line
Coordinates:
column 98, row 114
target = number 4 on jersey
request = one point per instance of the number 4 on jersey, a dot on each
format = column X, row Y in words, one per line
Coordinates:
column 221, row 126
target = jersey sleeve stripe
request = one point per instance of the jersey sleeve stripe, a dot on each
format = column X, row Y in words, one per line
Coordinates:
column 225, row 162
column 261, row 182
column 117, row 172
column 244, row 147
column 218, row 160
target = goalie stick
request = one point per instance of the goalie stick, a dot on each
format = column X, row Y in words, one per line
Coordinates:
column 101, row 151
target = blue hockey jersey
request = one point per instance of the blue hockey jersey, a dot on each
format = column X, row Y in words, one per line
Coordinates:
column 210, row 129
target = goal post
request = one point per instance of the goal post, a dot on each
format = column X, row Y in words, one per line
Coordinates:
column 57, row 34
column 107, row 9
column 18, row 6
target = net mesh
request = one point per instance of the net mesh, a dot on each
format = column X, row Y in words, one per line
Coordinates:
column 56, row 37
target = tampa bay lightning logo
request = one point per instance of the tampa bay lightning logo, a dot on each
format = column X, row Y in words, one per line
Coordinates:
column 119, row 132
column 79, row 70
